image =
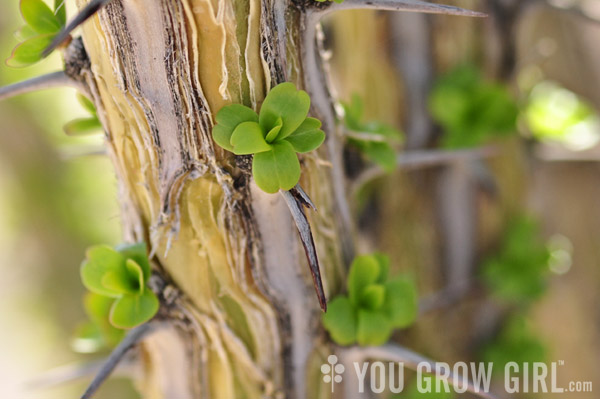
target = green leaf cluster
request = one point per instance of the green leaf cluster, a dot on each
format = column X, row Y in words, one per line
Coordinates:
column 516, row 342
column 517, row 273
column 83, row 126
column 274, row 136
column 471, row 110
column 121, row 275
column 42, row 25
column 375, row 305
column 97, row 333
column 380, row 152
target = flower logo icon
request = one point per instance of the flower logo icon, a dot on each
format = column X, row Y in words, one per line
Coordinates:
column 333, row 371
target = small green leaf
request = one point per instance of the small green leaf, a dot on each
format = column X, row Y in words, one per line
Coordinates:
column 24, row 33
column 272, row 135
column 286, row 102
column 247, row 138
column 307, row 137
column 276, row 169
column 400, row 302
column 60, row 11
column 119, row 281
column 228, row 118
column 83, row 126
column 101, row 260
column 97, row 307
column 364, row 271
column 137, row 252
column 136, row 274
column 372, row 296
column 384, row 266
column 40, row 17
column 379, row 152
column 132, row 310
column 30, row 51
column 373, row 328
column 86, row 103
column 340, row 321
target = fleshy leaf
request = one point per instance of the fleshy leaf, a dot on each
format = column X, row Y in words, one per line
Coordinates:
column 132, row 310
column 364, row 271
column 97, row 307
column 83, row 126
column 60, row 11
column 276, row 169
column 247, row 138
column 30, row 51
column 286, row 102
column 119, row 281
column 272, row 135
column 24, row 33
column 138, row 253
column 372, row 297
column 308, row 136
column 340, row 321
column 384, row 266
column 136, row 274
column 86, row 103
column 400, row 302
column 100, row 260
column 40, row 17
column 228, row 118
column 373, row 328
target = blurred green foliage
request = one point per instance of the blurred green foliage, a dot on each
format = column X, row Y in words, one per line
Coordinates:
column 412, row 392
column 517, row 273
column 516, row 342
column 471, row 110
column 380, row 152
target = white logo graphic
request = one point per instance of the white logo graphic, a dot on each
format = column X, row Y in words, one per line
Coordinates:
column 333, row 372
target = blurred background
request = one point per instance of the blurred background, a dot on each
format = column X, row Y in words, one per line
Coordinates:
column 523, row 222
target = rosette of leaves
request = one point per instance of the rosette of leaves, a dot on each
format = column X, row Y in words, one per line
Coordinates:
column 517, row 273
column 375, row 305
column 97, row 333
column 275, row 135
column 121, row 275
column 471, row 110
column 82, row 126
column 379, row 149
column 42, row 25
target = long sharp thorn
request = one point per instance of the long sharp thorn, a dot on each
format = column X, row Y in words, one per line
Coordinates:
column 297, row 210
column 402, row 5
column 298, row 193
column 87, row 12
column 132, row 338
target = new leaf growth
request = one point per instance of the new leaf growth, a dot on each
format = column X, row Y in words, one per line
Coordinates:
column 275, row 135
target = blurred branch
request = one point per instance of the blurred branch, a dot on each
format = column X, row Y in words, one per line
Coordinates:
column 418, row 159
column 49, row 81
column 71, row 372
column 131, row 339
column 412, row 360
